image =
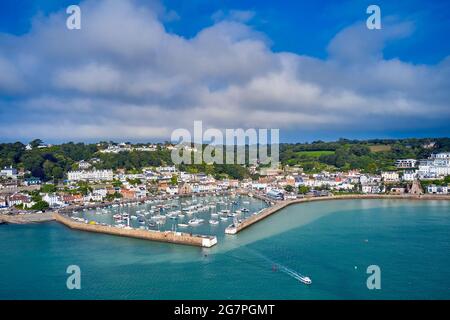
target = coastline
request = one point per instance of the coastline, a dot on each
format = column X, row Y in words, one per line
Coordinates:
column 49, row 216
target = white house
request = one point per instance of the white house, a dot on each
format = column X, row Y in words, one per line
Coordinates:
column 405, row 163
column 409, row 175
column 103, row 175
column 53, row 200
column 390, row 176
column 434, row 189
column 84, row 165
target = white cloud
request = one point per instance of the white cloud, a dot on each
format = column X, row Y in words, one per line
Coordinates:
column 124, row 75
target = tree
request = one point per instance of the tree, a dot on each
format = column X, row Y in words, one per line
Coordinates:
column 303, row 189
column 48, row 188
column 36, row 143
column 174, row 180
column 288, row 188
column 40, row 205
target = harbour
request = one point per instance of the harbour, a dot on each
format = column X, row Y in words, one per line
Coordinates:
column 309, row 239
column 191, row 220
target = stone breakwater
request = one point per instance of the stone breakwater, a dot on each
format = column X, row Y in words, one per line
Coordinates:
column 26, row 218
column 283, row 204
column 162, row 236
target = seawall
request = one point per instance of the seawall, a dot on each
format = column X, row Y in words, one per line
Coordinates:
column 161, row 236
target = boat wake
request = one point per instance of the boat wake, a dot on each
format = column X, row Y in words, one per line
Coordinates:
column 277, row 266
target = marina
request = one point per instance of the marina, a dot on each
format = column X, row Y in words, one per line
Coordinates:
column 177, row 218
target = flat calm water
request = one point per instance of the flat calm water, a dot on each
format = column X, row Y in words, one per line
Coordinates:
column 333, row 242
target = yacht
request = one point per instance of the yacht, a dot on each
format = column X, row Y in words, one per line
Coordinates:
column 195, row 222
column 213, row 221
column 305, row 279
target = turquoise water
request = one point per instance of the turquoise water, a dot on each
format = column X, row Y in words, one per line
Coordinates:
column 333, row 242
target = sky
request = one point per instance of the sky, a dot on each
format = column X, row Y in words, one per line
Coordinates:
column 137, row 70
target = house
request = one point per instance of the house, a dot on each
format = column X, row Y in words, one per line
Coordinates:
column 434, row 189
column 76, row 198
column 275, row 194
column 9, row 187
column 405, row 163
column 95, row 175
column 84, row 165
column 32, row 182
column 128, row 194
column 53, row 200
column 171, row 190
column 390, row 176
column 397, row 190
column 409, row 175
column 370, row 189
column 18, row 199
column 9, row 172
column 184, row 188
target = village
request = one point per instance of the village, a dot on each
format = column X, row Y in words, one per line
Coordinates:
column 88, row 186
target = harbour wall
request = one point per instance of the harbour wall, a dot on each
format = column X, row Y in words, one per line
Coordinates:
column 161, row 236
column 283, row 204
column 26, row 218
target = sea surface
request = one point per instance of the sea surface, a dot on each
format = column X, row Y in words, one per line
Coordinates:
column 332, row 242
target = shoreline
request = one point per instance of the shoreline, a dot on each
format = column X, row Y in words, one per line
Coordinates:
column 198, row 240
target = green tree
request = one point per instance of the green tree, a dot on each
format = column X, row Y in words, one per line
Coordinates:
column 48, row 188
column 40, row 205
column 303, row 189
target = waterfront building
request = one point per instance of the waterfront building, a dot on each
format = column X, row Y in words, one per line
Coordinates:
column 390, row 176
column 434, row 189
column 18, row 199
column 94, row 175
column 76, row 198
column 275, row 194
column 53, row 200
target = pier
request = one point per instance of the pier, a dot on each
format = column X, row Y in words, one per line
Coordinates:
column 161, row 236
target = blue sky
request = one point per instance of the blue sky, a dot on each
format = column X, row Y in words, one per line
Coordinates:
column 139, row 69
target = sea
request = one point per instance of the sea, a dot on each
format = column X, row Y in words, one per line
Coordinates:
column 336, row 243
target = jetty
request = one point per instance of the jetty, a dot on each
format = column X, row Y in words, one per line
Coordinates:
column 26, row 218
column 161, row 236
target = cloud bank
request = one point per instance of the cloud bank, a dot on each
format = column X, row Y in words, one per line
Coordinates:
column 123, row 76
